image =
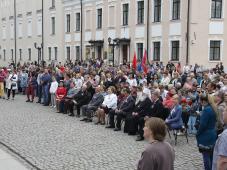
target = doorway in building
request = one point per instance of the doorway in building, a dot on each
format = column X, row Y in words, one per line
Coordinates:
column 99, row 51
column 125, row 53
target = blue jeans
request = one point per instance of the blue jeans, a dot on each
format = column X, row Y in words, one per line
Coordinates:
column 191, row 125
column 46, row 94
column 207, row 160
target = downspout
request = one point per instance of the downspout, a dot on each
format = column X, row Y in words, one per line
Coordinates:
column 188, row 33
column 15, row 33
column 42, row 34
column 148, row 24
column 81, row 30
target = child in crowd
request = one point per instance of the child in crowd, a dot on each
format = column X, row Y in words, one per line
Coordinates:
column 60, row 94
column 53, row 89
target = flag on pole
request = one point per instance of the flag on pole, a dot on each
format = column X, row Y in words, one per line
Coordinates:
column 134, row 62
column 144, row 62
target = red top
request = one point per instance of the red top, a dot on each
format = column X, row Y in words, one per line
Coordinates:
column 60, row 93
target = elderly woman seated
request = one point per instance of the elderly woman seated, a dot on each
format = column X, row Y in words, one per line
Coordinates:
column 174, row 120
column 109, row 103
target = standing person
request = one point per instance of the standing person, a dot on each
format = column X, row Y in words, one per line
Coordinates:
column 31, row 87
column 53, row 89
column 158, row 155
column 12, row 84
column 220, row 149
column 24, row 81
column 46, row 79
column 206, row 134
column 2, row 79
column 39, row 79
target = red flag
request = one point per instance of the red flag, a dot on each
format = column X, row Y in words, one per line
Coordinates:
column 144, row 62
column 134, row 62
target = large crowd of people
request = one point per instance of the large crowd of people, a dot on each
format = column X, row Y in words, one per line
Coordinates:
column 188, row 99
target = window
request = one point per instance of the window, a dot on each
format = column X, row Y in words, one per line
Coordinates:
column 140, row 51
column 99, row 18
column 111, row 16
column 125, row 14
column 77, row 21
column 4, row 32
column 56, row 53
column 68, row 53
column 12, row 54
column 29, row 54
column 68, row 23
column 77, row 52
column 52, row 25
column 29, row 28
column 140, row 13
column 4, row 55
column 216, row 9
column 20, row 54
column 52, row 3
column 39, row 26
column 49, row 53
column 175, row 51
column 176, row 10
column 157, row 10
column 156, row 51
column 215, row 50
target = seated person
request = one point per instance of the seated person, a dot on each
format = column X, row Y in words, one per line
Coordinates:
column 109, row 103
column 93, row 105
column 81, row 98
column 156, row 110
column 69, row 97
column 124, row 109
column 174, row 120
column 60, row 94
column 141, row 109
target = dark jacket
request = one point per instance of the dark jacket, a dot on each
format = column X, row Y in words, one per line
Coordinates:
column 128, row 104
column 82, row 97
column 143, row 108
column 157, row 110
column 96, row 100
column 206, row 134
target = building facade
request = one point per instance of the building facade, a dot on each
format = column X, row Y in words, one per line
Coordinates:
column 29, row 31
column 190, row 31
column 186, row 31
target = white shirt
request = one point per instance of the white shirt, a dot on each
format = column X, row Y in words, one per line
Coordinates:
column 53, row 87
column 132, row 82
column 110, row 100
column 78, row 83
column 165, row 81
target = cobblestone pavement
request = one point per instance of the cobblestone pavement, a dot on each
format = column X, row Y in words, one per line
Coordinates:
column 53, row 141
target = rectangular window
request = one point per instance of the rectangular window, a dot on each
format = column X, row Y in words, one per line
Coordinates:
column 125, row 14
column 88, row 19
column 4, row 32
column 39, row 26
column 156, row 51
column 53, row 25
column 140, row 12
column 78, row 53
column 99, row 18
column 77, row 21
column 56, row 53
column 68, row 23
column 157, row 10
column 176, row 10
column 29, row 28
column 68, row 53
column 12, row 54
column 20, row 54
column 175, row 50
column 52, row 3
column 216, row 9
column 140, row 51
column 215, row 50
column 29, row 54
column 111, row 16
column 4, row 55
column 49, row 53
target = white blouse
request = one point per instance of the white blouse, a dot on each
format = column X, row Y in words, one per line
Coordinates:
column 110, row 100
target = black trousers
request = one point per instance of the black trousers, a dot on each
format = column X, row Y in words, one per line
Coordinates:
column 120, row 116
column 9, row 92
column 141, row 123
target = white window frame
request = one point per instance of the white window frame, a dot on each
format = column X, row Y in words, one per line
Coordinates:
column 122, row 3
column 144, row 16
column 152, row 12
column 221, row 49
column 223, row 11
column 170, row 48
column 171, row 11
column 114, row 17
column 152, row 47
